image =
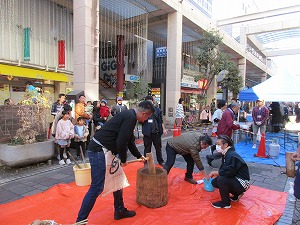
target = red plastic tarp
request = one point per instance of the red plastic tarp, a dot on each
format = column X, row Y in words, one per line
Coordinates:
column 188, row 204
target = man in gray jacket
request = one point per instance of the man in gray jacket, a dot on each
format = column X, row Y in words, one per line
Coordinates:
column 119, row 107
column 188, row 145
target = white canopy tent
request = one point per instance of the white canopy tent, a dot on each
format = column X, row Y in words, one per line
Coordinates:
column 279, row 88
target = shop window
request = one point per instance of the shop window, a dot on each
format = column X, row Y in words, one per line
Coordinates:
column 18, row 88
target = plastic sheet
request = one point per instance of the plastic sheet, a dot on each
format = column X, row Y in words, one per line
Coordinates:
column 246, row 151
column 188, row 204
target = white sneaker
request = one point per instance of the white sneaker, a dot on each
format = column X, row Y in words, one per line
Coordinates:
column 65, row 155
column 68, row 161
column 254, row 146
column 62, row 162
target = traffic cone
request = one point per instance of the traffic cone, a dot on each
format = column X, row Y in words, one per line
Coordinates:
column 179, row 131
column 175, row 131
column 262, row 147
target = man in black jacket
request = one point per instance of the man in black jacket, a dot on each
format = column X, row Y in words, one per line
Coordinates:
column 116, row 135
column 152, row 130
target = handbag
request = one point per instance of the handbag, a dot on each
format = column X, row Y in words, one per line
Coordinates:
column 115, row 178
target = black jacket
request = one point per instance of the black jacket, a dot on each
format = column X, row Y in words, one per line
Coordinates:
column 147, row 126
column 234, row 166
column 117, row 134
column 96, row 117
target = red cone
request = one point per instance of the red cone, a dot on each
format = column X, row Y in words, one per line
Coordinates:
column 179, row 131
column 262, row 147
column 175, row 131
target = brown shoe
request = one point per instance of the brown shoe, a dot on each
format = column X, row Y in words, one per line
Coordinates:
column 190, row 180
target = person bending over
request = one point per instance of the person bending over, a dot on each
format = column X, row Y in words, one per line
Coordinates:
column 188, row 145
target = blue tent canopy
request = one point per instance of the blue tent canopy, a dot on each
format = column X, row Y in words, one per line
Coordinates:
column 248, row 95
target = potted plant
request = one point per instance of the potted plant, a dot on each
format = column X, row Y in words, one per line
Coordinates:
column 26, row 126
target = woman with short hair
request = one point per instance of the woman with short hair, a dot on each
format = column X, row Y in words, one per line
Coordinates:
column 233, row 176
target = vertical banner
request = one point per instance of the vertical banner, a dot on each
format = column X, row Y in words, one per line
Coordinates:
column 61, row 54
column 120, row 64
column 27, row 44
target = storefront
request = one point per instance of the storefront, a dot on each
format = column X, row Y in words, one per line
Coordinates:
column 191, row 97
column 13, row 79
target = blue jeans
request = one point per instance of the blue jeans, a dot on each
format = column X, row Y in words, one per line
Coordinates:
column 171, row 157
column 98, row 169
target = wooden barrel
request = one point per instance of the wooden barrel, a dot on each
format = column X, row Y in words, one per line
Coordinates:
column 290, row 164
column 152, row 190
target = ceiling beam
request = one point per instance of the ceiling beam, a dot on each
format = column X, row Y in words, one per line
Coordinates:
column 260, row 15
column 271, row 27
column 257, row 44
column 273, row 53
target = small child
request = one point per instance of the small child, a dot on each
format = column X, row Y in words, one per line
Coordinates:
column 64, row 134
column 88, row 110
column 81, row 132
column 104, row 111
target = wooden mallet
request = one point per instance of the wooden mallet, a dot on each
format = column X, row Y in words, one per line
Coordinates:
column 136, row 160
column 150, row 163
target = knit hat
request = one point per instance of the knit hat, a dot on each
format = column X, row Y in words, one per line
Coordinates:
column 119, row 99
column 103, row 100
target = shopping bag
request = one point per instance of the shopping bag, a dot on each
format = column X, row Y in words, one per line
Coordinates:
column 115, row 178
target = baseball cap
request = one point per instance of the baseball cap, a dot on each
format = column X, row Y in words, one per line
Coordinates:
column 119, row 99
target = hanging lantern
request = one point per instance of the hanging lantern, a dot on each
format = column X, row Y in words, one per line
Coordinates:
column 203, row 84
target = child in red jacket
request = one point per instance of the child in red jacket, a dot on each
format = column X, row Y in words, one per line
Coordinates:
column 104, row 111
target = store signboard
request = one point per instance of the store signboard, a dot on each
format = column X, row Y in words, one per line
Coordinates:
column 132, row 78
column 161, row 52
column 156, row 92
column 108, row 70
column 189, row 85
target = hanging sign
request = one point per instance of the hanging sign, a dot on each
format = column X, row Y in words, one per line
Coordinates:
column 61, row 54
column 27, row 44
column 161, row 52
column 132, row 78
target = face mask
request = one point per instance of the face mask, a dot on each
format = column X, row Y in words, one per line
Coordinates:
column 218, row 148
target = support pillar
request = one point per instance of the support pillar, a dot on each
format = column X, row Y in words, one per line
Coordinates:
column 86, row 47
column 174, row 58
column 242, row 61
column 120, row 65
column 242, row 69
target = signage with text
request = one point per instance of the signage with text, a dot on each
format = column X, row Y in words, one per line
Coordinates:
column 132, row 78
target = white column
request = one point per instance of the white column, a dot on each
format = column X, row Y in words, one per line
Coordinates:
column 242, row 61
column 173, row 79
column 86, row 47
column 242, row 68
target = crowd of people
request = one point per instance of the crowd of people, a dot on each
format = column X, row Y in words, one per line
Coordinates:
column 114, row 131
column 88, row 118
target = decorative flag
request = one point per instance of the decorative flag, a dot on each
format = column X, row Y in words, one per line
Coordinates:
column 61, row 54
column 27, row 44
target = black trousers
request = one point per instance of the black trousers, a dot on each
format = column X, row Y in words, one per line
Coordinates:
column 83, row 146
column 227, row 186
column 156, row 140
column 61, row 152
column 171, row 157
